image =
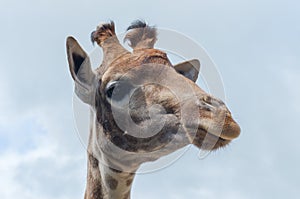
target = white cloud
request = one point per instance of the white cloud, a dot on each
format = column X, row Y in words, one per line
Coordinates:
column 40, row 173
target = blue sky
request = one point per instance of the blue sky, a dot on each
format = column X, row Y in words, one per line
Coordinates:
column 255, row 45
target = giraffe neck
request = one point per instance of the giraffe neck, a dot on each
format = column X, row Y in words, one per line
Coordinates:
column 107, row 183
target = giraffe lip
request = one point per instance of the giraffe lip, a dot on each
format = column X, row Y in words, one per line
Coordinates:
column 217, row 137
column 228, row 130
column 219, row 143
column 208, row 141
column 216, row 134
column 225, row 133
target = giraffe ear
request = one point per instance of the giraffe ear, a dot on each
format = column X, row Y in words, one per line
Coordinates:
column 81, row 71
column 190, row 69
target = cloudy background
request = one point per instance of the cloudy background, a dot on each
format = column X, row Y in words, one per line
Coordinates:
column 255, row 45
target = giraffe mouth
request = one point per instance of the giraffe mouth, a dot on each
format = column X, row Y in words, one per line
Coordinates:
column 209, row 141
column 211, row 136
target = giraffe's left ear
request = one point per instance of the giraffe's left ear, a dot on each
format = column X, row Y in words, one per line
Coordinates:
column 81, row 71
column 190, row 69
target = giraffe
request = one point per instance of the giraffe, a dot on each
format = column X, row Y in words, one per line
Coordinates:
column 142, row 107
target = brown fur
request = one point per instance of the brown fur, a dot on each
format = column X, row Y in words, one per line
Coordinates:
column 94, row 183
column 112, row 183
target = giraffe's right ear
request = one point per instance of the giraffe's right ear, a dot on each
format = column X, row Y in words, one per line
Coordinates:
column 190, row 69
column 81, row 71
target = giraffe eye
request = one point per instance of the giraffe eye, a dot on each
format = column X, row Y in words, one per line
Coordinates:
column 110, row 88
column 118, row 91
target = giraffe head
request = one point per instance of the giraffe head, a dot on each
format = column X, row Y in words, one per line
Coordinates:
column 143, row 106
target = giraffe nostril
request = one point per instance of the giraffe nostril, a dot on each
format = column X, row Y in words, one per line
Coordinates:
column 208, row 107
column 207, row 99
column 210, row 104
column 212, row 101
column 204, row 105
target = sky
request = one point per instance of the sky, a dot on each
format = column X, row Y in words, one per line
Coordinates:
column 255, row 45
